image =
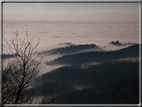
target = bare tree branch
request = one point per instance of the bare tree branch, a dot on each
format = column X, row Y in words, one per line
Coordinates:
column 19, row 75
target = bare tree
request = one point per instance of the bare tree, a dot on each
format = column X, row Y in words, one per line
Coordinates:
column 18, row 78
column 48, row 97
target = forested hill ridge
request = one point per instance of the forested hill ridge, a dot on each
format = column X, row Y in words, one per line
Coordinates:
column 97, row 56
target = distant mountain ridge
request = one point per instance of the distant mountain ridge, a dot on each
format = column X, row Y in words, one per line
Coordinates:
column 72, row 49
column 5, row 56
column 117, row 43
column 97, row 56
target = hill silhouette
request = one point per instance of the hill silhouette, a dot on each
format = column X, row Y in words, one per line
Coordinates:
column 74, row 84
column 117, row 43
column 6, row 56
column 97, row 56
column 103, row 73
column 72, row 49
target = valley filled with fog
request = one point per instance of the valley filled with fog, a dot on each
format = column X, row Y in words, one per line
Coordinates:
column 76, row 56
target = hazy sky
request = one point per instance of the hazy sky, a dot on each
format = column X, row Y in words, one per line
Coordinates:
column 71, row 11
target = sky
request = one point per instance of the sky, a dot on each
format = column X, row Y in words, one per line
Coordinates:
column 115, row 12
